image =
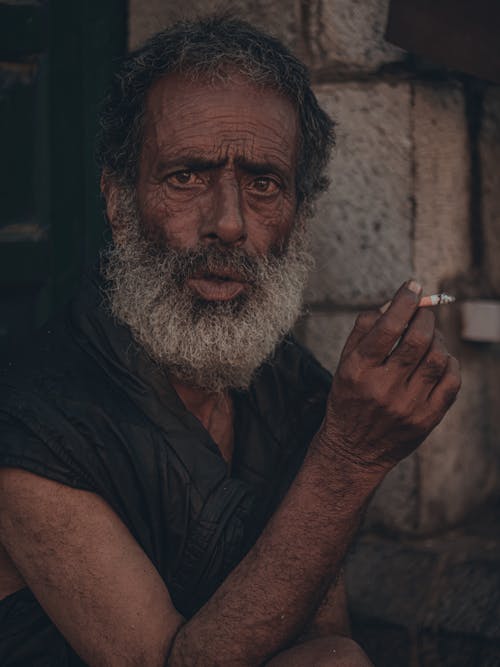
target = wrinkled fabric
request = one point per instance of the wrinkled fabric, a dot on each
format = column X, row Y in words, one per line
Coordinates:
column 87, row 408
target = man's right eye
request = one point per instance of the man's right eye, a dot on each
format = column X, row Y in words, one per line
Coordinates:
column 183, row 177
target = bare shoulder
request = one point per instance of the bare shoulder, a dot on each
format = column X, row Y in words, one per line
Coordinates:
column 86, row 570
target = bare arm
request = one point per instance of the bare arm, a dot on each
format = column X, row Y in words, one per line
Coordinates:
column 110, row 603
column 332, row 615
column 107, row 599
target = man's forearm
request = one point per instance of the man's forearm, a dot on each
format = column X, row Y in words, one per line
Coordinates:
column 267, row 599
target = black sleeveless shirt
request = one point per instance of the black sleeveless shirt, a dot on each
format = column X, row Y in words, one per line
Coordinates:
column 87, row 408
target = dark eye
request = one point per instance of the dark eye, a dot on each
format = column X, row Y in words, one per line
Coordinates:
column 183, row 177
column 265, row 185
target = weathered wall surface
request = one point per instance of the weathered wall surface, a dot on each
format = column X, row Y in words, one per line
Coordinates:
column 401, row 205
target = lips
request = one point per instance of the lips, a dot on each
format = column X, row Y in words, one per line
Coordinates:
column 222, row 285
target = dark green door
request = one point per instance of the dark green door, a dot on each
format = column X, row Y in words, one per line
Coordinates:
column 56, row 58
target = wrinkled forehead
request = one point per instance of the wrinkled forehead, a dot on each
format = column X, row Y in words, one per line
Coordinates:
column 219, row 118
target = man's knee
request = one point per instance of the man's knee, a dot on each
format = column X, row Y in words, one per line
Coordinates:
column 338, row 652
column 332, row 651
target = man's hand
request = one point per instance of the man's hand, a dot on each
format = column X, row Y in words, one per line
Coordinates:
column 394, row 384
column 106, row 597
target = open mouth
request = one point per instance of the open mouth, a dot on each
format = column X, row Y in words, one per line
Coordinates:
column 218, row 286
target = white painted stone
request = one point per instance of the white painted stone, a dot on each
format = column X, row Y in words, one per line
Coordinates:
column 442, row 168
column 490, row 174
column 481, row 321
column 349, row 34
column 280, row 18
column 459, row 471
column 361, row 233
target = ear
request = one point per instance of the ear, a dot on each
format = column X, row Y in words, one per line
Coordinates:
column 110, row 192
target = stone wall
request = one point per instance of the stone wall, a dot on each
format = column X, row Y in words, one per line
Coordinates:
column 409, row 159
column 415, row 192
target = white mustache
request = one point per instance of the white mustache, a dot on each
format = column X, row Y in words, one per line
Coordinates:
column 213, row 345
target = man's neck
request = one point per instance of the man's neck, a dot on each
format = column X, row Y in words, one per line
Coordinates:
column 213, row 410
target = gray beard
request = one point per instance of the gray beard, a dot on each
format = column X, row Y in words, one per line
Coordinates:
column 213, row 345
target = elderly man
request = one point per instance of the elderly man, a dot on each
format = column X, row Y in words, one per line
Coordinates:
column 181, row 480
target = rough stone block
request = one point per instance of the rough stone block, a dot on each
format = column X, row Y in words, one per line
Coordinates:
column 447, row 650
column 490, row 174
column 361, row 233
column 466, row 599
column 325, row 335
column 442, row 168
column 389, row 582
column 348, row 35
column 459, row 470
column 280, row 17
column 395, row 505
column 383, row 643
column 493, row 405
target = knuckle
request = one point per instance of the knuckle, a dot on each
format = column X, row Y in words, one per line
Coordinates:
column 412, row 348
column 418, row 339
column 366, row 320
column 380, row 396
column 453, row 375
column 407, row 351
column 435, row 365
column 391, row 328
column 413, row 424
column 455, row 383
column 450, row 396
column 347, row 371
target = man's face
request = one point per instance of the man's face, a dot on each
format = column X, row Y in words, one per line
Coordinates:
column 209, row 261
column 217, row 167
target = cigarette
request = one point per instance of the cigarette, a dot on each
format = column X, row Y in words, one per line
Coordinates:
column 426, row 301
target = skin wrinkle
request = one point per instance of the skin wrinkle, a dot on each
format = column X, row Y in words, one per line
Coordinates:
column 185, row 125
column 217, row 52
column 370, row 423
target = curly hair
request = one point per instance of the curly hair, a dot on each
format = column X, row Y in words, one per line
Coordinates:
column 208, row 47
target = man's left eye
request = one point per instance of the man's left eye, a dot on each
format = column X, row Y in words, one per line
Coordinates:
column 265, row 185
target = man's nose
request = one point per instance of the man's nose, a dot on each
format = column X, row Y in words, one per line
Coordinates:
column 226, row 223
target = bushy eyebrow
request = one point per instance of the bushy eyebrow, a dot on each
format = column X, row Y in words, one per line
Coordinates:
column 256, row 168
column 199, row 163
column 191, row 162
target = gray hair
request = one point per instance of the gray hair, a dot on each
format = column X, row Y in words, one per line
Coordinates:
column 209, row 47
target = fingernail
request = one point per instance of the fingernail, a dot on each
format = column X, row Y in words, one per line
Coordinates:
column 415, row 287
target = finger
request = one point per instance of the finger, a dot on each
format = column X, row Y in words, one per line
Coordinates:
column 445, row 392
column 431, row 369
column 390, row 326
column 415, row 342
column 363, row 324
